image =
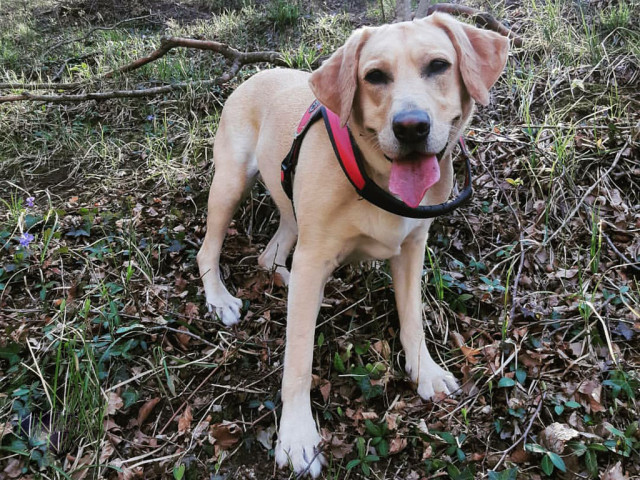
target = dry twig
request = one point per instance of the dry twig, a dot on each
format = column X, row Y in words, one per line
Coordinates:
column 482, row 19
column 235, row 56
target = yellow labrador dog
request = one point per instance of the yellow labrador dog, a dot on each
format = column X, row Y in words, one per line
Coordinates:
column 406, row 91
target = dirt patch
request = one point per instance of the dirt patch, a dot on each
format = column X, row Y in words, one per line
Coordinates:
column 107, row 12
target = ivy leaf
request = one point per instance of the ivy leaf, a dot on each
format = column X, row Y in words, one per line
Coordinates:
column 591, row 461
column 353, row 463
column 557, row 461
column 506, row 382
column 546, row 465
column 178, row 471
column 535, row 448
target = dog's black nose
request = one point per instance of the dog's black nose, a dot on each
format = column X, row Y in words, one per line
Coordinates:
column 411, row 126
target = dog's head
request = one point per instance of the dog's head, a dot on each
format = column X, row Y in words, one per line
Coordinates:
column 411, row 87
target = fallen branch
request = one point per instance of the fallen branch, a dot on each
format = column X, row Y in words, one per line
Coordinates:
column 143, row 92
column 236, row 56
column 482, row 19
column 40, row 86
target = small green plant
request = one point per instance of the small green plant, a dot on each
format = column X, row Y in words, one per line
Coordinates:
column 621, row 381
column 364, row 460
column 617, row 15
column 301, row 58
column 622, row 443
column 363, row 373
column 378, row 436
column 283, row 14
column 507, row 474
column 550, row 461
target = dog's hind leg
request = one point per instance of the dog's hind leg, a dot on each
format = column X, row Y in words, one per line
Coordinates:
column 235, row 173
column 276, row 252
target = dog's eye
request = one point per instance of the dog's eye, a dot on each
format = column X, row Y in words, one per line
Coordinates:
column 436, row 67
column 377, row 77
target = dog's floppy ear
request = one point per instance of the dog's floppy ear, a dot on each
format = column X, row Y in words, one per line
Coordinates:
column 482, row 55
column 336, row 81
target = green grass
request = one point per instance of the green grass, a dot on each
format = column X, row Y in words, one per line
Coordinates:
column 92, row 308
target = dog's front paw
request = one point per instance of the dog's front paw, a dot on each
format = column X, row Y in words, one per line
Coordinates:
column 299, row 448
column 432, row 379
column 225, row 307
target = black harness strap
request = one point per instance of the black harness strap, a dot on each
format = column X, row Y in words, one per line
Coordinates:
column 351, row 160
column 290, row 162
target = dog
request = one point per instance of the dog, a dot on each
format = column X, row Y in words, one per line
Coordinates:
column 406, row 91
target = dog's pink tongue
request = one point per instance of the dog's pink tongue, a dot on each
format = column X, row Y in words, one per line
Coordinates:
column 412, row 176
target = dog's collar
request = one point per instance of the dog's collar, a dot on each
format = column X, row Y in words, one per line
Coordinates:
column 350, row 159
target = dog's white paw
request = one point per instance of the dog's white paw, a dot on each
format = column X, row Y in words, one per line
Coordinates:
column 432, row 379
column 225, row 307
column 298, row 447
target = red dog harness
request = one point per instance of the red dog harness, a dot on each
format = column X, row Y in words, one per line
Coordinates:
column 351, row 161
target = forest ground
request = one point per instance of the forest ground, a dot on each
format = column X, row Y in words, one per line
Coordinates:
column 109, row 364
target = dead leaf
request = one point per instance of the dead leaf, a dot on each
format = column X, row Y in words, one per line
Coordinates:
column 336, row 444
column 615, row 472
column 457, row 339
column 13, row 468
column 106, row 451
column 556, row 435
column 470, row 354
column 265, row 436
column 397, row 444
column 201, row 427
column 225, row 434
column 130, row 473
column 5, row 429
column 369, row 415
column 79, row 473
column 146, row 409
column 325, row 390
column 520, row 455
column 383, row 349
column 184, row 422
column 114, row 403
column 593, row 391
column 392, row 420
column 566, row 273
column 468, row 383
column 191, row 310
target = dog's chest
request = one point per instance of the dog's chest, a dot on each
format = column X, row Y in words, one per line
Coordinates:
column 382, row 237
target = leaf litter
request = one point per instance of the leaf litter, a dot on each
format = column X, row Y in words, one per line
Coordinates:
column 112, row 259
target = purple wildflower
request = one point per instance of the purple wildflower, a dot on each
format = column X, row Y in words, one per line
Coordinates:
column 30, row 201
column 26, row 239
column 151, row 118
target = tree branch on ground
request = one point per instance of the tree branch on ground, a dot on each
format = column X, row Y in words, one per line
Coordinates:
column 143, row 92
column 482, row 19
column 236, row 56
